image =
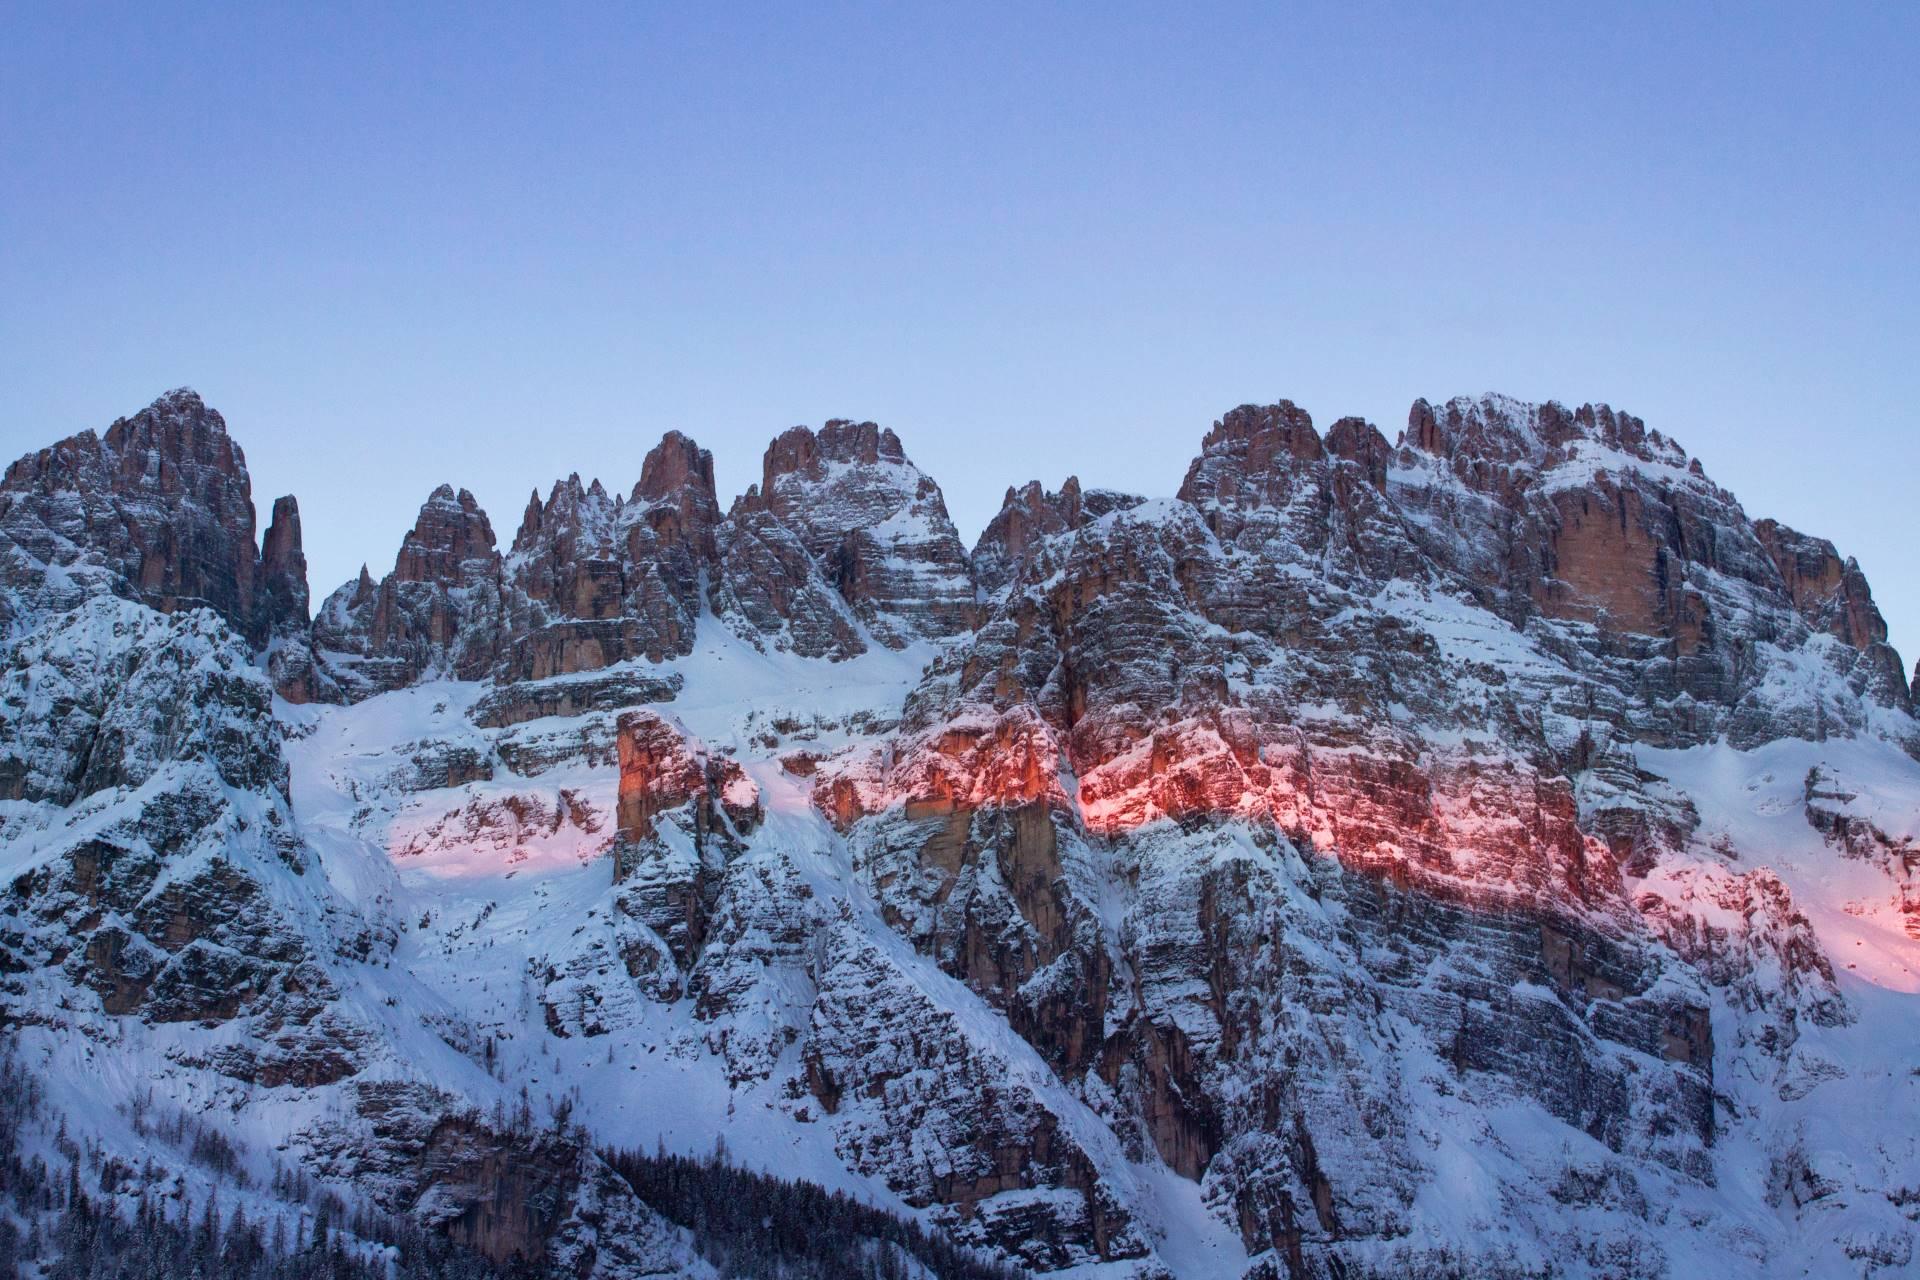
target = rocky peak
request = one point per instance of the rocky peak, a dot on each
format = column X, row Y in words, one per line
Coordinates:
column 1253, row 457
column 283, row 566
column 1280, row 835
column 1500, row 430
column 170, row 445
column 600, row 579
column 673, row 466
column 1258, row 435
column 1031, row 514
column 1492, row 428
column 676, row 499
column 875, row 523
column 449, row 539
column 175, row 458
column 574, row 517
column 440, row 609
column 532, row 519
column 1264, row 478
column 284, row 607
column 1830, row 593
column 1358, row 441
column 805, row 452
column 161, row 506
column 856, row 467
column 1586, row 517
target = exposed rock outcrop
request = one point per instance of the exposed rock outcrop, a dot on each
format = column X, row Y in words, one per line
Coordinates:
column 291, row 666
column 184, row 895
column 521, row 1198
column 672, row 878
column 846, row 541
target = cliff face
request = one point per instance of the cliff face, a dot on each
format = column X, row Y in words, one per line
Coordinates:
column 439, row 611
column 158, row 510
column 1466, row 854
column 607, row 579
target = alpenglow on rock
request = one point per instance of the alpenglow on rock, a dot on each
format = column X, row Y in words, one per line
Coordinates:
column 1486, row 852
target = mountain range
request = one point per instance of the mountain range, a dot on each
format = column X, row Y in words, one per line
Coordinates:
column 1487, row 852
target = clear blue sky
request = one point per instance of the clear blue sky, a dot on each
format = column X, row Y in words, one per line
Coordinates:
column 397, row 245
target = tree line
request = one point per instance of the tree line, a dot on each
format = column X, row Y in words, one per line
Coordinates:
column 755, row 1226
column 90, row 1215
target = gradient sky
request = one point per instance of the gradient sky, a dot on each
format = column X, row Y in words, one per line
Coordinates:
column 396, row 245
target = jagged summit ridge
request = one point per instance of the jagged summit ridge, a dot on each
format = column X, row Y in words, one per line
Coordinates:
column 845, row 543
column 1581, row 515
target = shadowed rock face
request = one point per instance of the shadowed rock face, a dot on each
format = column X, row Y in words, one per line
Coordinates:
column 522, row 1197
column 1830, row 593
column 283, row 587
column 599, row 580
column 159, row 509
column 1588, row 517
column 164, row 905
column 440, row 610
column 591, row 581
column 283, row 567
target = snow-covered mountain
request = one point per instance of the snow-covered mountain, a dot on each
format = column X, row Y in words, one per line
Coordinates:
column 1489, row 853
